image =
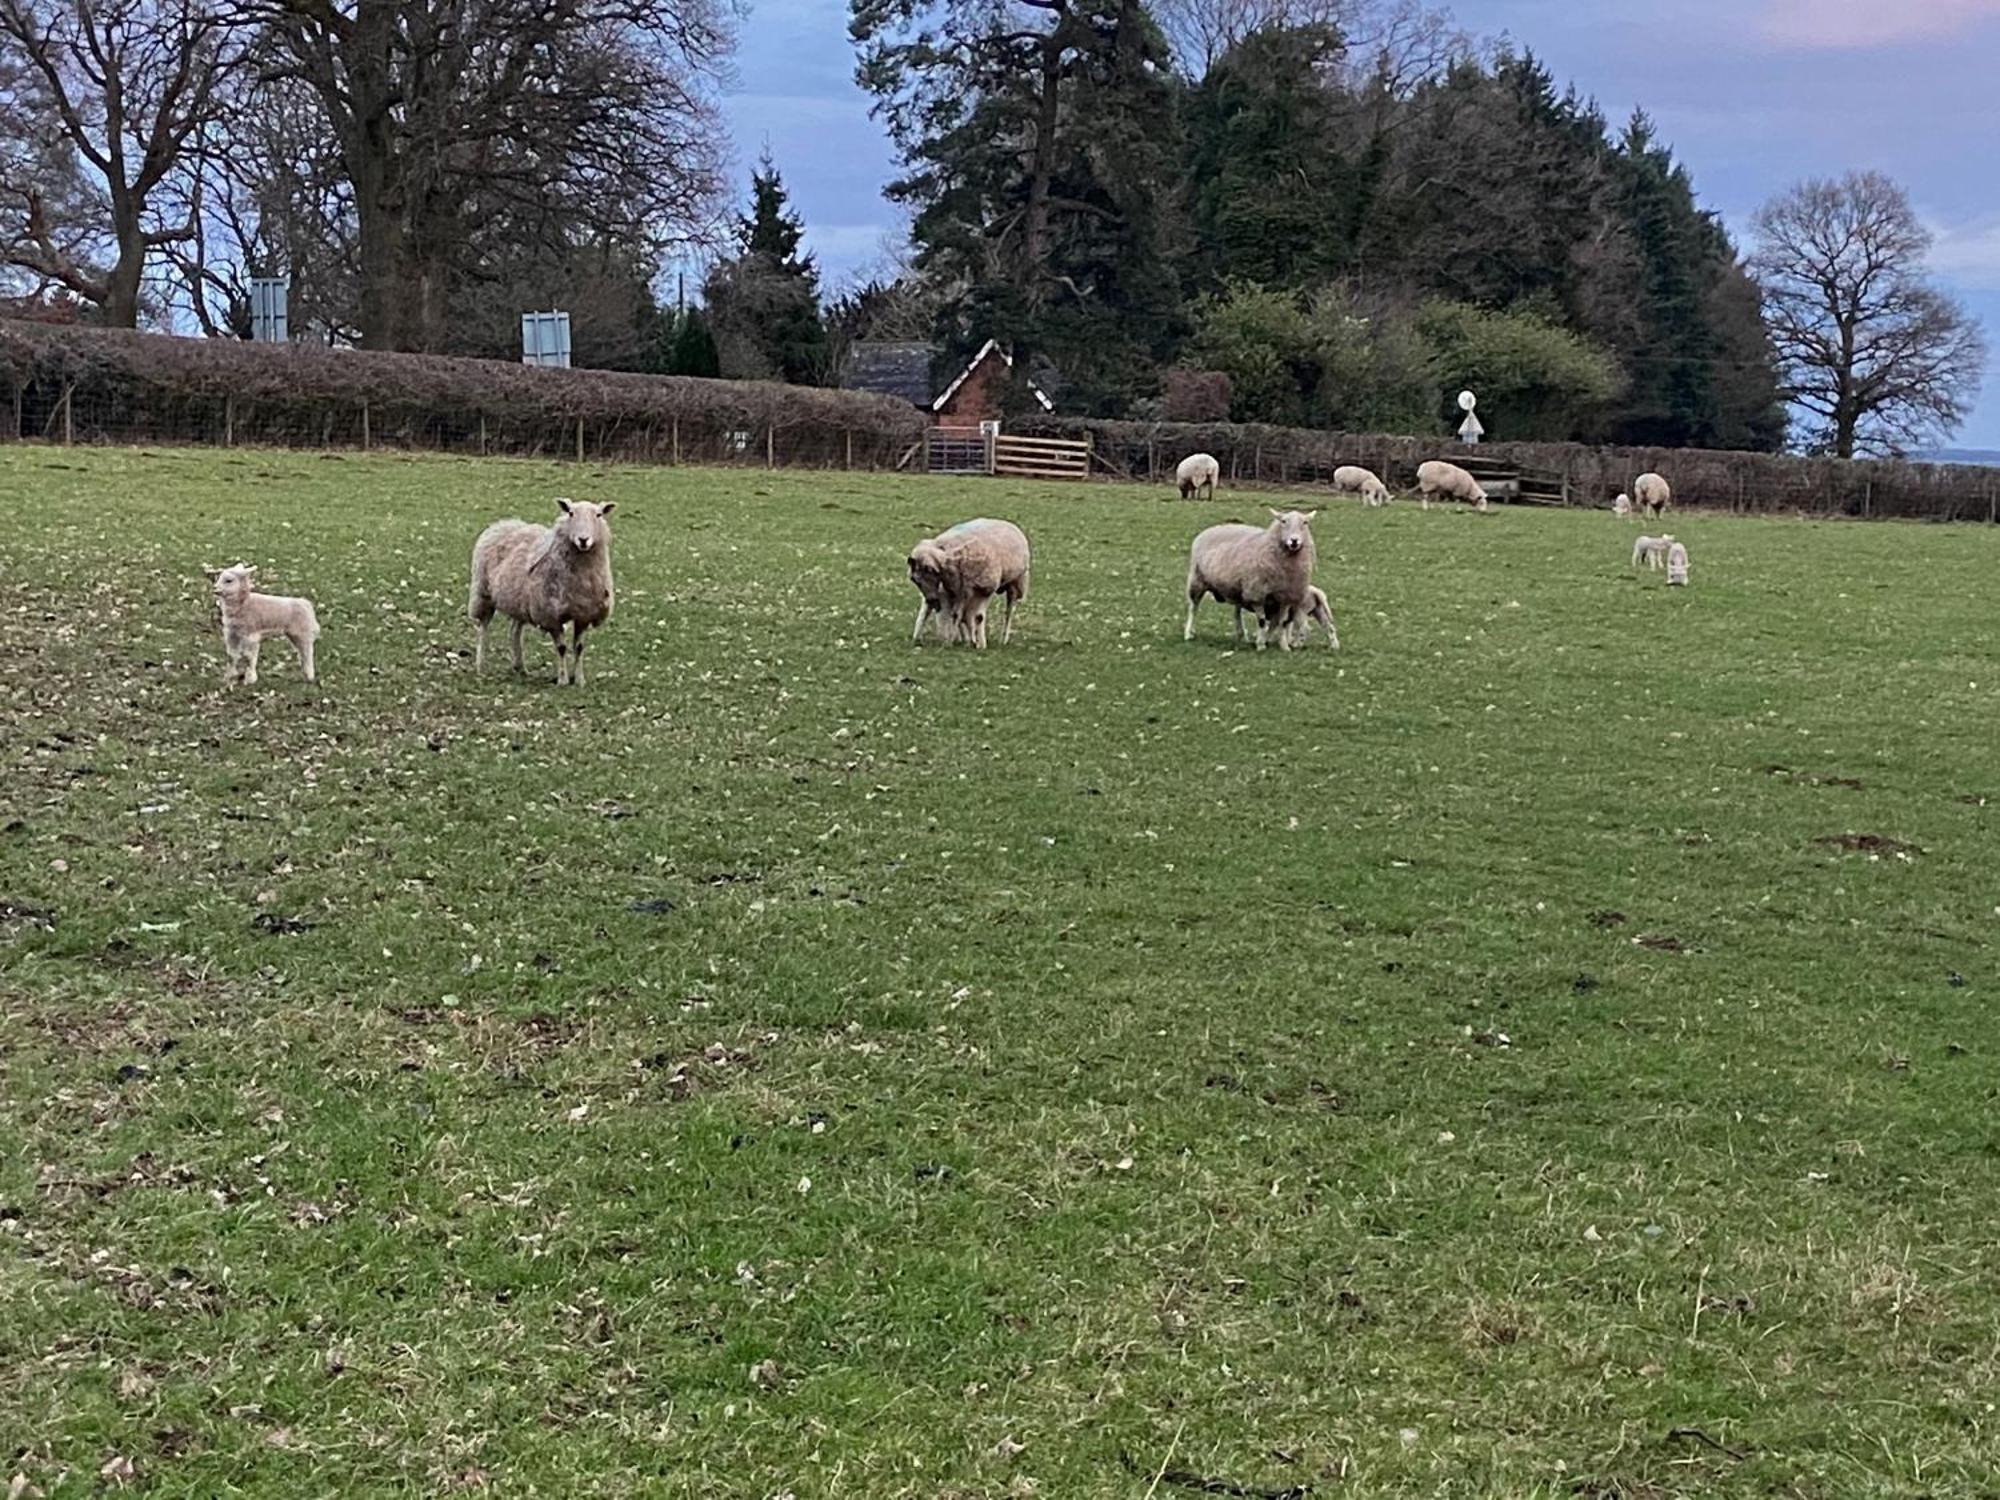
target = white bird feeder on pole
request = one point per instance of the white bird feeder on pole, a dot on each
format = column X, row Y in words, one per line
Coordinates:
column 1471, row 430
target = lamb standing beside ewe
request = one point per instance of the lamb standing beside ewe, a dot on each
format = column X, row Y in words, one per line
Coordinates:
column 1653, row 494
column 1264, row 569
column 1622, row 507
column 1352, row 479
column 1450, row 481
column 249, row 617
column 547, row 577
column 1651, row 551
column 1317, row 609
column 1677, row 565
column 1198, row 471
column 959, row 571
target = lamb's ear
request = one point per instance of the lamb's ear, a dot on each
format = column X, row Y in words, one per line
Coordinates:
column 1307, row 516
column 562, row 505
column 1277, row 515
column 607, row 507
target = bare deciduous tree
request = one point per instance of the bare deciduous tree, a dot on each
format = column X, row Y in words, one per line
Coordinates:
column 1399, row 42
column 100, row 102
column 1869, row 346
column 559, row 119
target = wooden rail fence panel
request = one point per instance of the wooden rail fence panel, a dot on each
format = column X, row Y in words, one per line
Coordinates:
column 1040, row 458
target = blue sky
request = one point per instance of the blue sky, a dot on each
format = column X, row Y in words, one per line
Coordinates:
column 1753, row 94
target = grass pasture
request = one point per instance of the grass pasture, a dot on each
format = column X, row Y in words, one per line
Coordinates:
column 1547, row 1048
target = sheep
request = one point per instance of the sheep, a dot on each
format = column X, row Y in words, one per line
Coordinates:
column 1653, row 494
column 1677, row 565
column 248, row 618
column 1622, row 507
column 1198, row 471
column 1317, row 608
column 959, row 571
column 1651, row 551
column 547, row 577
column 1351, row 479
column 1265, row 569
column 1450, row 481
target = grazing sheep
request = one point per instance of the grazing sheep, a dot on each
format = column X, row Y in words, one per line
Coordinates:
column 249, row 617
column 547, row 577
column 1651, row 551
column 1653, row 494
column 959, row 571
column 1449, row 481
column 1317, row 608
column 1622, row 507
column 1351, row 479
column 1198, row 471
column 1264, row 569
column 1677, row 565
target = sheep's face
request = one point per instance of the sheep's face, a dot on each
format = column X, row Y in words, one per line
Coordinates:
column 582, row 524
column 927, row 573
column 233, row 585
column 1289, row 527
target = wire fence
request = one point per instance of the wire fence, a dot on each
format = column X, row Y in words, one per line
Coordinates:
column 1744, row 483
column 75, row 385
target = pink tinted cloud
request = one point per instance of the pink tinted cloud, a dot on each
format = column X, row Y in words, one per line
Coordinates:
column 1871, row 23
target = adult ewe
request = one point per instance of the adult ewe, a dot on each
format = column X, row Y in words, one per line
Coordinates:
column 959, row 571
column 547, row 577
column 248, row 618
column 1198, row 471
column 1450, row 482
column 1352, row 479
column 1653, row 494
column 1264, row 569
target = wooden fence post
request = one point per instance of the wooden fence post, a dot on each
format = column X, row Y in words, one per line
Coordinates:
column 17, row 413
column 850, row 447
column 69, row 413
column 229, row 420
column 367, row 437
column 677, row 440
column 770, row 445
column 579, row 439
column 482, row 434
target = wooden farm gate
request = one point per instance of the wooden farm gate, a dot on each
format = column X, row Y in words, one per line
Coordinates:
column 971, row 450
column 1040, row 458
column 1520, row 486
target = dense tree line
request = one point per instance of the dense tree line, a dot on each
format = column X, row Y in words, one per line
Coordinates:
column 1337, row 205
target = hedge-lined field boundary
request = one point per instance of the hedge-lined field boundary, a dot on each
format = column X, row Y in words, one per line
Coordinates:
column 72, row 384
column 84, row 385
column 1743, row 482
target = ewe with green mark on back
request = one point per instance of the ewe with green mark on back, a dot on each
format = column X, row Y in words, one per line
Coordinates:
column 545, row 576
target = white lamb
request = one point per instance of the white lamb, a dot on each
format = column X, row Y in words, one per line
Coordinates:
column 1651, row 551
column 1352, row 479
column 1653, row 494
column 959, row 571
column 1317, row 609
column 1264, row 569
column 1450, row 482
column 1198, row 471
column 248, row 618
column 547, row 577
column 1622, row 507
column 1677, row 565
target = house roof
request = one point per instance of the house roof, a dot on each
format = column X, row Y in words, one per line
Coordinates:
column 886, row 368
column 992, row 347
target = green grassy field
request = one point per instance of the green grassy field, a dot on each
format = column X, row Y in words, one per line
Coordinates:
column 801, row 1064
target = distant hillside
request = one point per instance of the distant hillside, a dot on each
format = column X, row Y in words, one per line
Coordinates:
column 1987, row 456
